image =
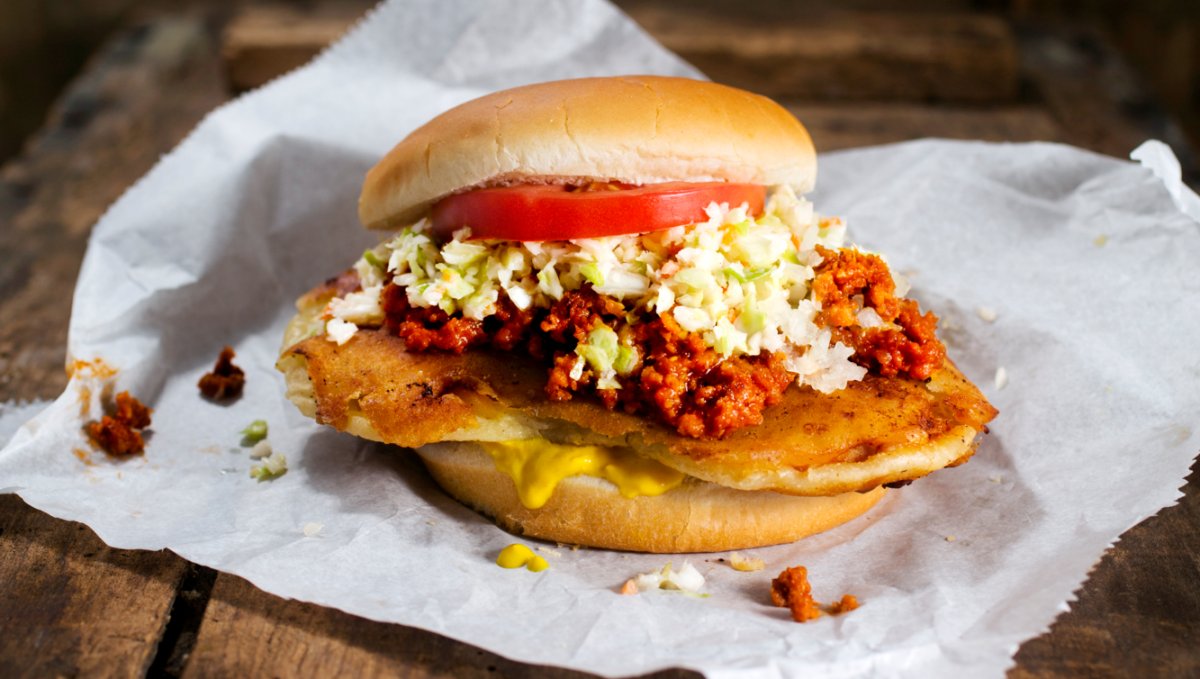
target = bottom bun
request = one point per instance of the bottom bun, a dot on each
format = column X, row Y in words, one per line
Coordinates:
column 696, row 516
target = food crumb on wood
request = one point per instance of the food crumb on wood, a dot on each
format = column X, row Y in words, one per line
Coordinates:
column 1001, row 379
column 226, row 380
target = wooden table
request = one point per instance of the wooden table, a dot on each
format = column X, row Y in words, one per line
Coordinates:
column 69, row 605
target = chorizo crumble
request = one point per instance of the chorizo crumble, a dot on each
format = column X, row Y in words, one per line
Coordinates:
column 225, row 380
column 903, row 344
column 675, row 376
column 792, row 590
column 119, row 434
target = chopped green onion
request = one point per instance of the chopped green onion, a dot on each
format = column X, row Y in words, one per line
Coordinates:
column 255, row 432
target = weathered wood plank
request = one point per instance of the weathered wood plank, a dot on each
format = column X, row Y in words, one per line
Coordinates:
column 1139, row 613
column 139, row 96
column 72, row 606
column 69, row 605
column 248, row 633
column 849, row 125
column 1095, row 96
column 264, row 42
column 828, row 55
column 838, row 55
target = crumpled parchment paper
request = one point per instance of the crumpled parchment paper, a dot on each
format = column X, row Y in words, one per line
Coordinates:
column 1086, row 261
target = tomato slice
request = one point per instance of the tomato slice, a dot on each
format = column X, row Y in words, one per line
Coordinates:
column 551, row 212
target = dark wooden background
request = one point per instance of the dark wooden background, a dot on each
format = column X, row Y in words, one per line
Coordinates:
column 69, row 605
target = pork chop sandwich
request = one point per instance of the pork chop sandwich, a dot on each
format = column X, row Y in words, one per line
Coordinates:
column 605, row 315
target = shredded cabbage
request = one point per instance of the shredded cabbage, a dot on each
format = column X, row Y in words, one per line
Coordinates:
column 741, row 282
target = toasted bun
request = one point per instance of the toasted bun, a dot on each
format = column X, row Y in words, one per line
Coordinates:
column 638, row 129
column 694, row 517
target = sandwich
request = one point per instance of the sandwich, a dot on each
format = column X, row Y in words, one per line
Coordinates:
column 605, row 315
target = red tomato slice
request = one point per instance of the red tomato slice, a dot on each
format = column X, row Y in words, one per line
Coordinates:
column 546, row 212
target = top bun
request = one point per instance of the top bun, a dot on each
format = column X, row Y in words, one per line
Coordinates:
column 636, row 129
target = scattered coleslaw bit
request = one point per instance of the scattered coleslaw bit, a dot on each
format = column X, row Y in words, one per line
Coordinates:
column 746, row 564
column 743, row 283
column 260, row 450
column 311, row 529
column 986, row 313
column 686, row 579
column 272, row 468
column 254, row 432
column 1001, row 379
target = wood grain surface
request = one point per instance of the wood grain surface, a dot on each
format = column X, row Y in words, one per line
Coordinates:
column 72, row 606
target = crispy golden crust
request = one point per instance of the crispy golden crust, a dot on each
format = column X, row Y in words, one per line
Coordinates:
column 873, row 432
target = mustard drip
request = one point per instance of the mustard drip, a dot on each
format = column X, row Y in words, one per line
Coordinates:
column 537, row 466
column 516, row 556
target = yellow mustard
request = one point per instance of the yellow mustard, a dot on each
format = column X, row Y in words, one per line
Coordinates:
column 536, row 466
column 516, row 556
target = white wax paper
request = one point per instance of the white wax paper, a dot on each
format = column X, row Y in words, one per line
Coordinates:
column 1086, row 261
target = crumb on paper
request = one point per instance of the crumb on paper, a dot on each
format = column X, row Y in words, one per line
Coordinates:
column 120, row 434
column 950, row 538
column 261, row 450
column 551, row 552
column 226, row 380
column 272, row 467
column 986, row 313
column 1001, row 379
column 685, row 579
column 630, row 587
column 996, row 479
column 84, row 456
column 791, row 590
column 847, row 603
column 519, row 556
column 746, row 564
column 1101, row 240
column 115, row 437
column 312, row 529
column 96, row 368
column 254, row 432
